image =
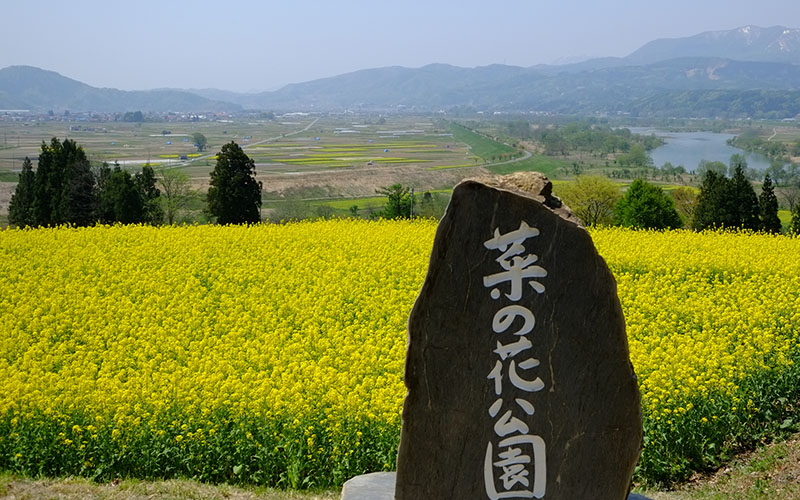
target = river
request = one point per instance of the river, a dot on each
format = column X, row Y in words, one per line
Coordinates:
column 689, row 148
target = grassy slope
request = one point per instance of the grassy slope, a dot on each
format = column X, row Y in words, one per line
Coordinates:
column 480, row 145
column 539, row 163
column 786, row 219
column 769, row 473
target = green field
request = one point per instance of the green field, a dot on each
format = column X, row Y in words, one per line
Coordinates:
column 480, row 145
column 548, row 165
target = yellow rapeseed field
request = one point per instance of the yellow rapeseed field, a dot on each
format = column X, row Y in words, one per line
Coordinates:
column 274, row 353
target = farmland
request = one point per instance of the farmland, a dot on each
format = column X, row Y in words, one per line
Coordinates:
column 273, row 354
column 297, row 158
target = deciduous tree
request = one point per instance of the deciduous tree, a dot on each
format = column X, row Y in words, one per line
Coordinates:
column 685, row 199
column 174, row 192
column 592, row 198
column 200, row 141
column 645, row 206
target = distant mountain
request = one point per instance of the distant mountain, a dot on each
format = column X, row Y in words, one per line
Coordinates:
column 510, row 88
column 748, row 43
column 748, row 71
column 26, row 87
column 744, row 59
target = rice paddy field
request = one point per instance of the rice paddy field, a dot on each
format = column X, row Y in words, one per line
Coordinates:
column 273, row 354
column 282, row 145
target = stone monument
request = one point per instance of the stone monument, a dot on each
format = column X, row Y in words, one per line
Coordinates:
column 518, row 374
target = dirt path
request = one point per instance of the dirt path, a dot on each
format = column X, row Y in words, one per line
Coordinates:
column 774, row 133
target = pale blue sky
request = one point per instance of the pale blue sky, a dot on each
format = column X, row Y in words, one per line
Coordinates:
column 259, row 45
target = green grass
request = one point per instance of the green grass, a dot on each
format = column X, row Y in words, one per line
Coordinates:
column 480, row 145
column 786, row 219
column 539, row 163
column 6, row 176
column 71, row 488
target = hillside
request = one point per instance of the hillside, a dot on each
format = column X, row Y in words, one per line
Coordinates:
column 747, row 72
column 26, row 87
column 748, row 43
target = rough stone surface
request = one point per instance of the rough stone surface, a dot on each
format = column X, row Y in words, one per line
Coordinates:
column 380, row 486
column 569, row 401
column 375, row 486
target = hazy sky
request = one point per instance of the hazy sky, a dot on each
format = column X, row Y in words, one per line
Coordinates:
column 260, row 45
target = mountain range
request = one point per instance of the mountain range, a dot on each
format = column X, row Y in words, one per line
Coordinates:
column 748, row 71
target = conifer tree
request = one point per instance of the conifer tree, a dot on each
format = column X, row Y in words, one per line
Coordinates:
column 768, row 205
column 20, row 210
column 120, row 200
column 56, row 166
column 794, row 228
column 78, row 196
column 712, row 209
column 744, row 202
column 234, row 196
column 152, row 212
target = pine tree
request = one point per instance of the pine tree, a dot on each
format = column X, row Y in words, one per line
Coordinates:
column 234, row 195
column 768, row 205
column 20, row 210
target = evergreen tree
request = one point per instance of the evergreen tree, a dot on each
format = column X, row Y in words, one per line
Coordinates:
column 20, row 210
column 43, row 193
column 78, row 196
column 794, row 228
column 712, row 208
column 104, row 211
column 120, row 200
column 730, row 203
column 744, row 202
column 152, row 212
column 645, row 206
column 768, row 205
column 398, row 202
column 50, row 177
column 234, row 195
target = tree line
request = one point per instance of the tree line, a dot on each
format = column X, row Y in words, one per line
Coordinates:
column 723, row 201
column 588, row 136
column 66, row 189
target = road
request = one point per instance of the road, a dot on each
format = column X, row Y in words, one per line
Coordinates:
column 248, row 146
